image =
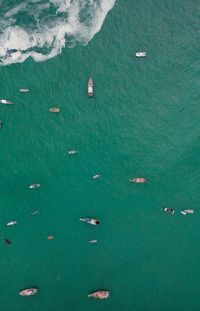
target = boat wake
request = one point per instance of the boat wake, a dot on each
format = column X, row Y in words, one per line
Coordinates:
column 40, row 29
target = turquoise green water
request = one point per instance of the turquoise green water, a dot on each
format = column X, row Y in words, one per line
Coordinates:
column 142, row 121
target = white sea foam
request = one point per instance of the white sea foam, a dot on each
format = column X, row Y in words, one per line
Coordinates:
column 40, row 29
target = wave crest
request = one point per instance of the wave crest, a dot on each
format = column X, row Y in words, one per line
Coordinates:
column 40, row 29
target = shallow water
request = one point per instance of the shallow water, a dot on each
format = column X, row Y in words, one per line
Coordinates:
column 142, row 121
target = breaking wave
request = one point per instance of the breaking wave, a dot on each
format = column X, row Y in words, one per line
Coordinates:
column 41, row 28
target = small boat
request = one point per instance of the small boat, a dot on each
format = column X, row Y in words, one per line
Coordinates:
column 138, row 180
column 101, row 294
column 6, row 102
column 11, row 223
column 10, row 51
column 34, row 212
column 54, row 109
column 96, row 176
column 72, row 152
column 140, row 54
column 8, row 242
column 24, row 90
column 34, row 186
column 1, row 124
column 29, row 291
column 169, row 210
column 91, row 221
column 50, row 237
column 93, row 241
column 90, row 88
column 187, row 211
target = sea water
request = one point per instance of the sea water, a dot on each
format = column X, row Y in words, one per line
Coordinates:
column 143, row 121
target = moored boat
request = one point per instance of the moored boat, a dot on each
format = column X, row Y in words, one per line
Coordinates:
column 11, row 223
column 29, row 291
column 91, row 221
column 34, row 186
column 6, row 102
column 140, row 54
column 138, row 180
column 24, row 90
column 90, row 87
column 72, row 152
column 54, row 109
column 187, row 211
column 101, row 294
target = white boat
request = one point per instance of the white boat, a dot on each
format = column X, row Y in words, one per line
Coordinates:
column 93, row 241
column 29, row 291
column 24, row 90
column 140, row 54
column 11, row 223
column 91, row 221
column 90, row 87
column 54, row 109
column 72, row 152
column 187, row 211
column 34, row 186
column 5, row 102
column 96, row 176
column 101, row 294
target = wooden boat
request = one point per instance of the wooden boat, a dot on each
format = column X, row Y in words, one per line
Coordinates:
column 101, row 294
column 138, row 180
column 24, row 90
column 90, row 88
column 29, row 291
column 1, row 123
column 6, row 102
column 54, row 109
column 91, row 221
column 187, row 211
column 34, row 186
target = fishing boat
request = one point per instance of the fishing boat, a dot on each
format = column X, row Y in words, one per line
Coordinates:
column 54, row 109
column 11, row 223
column 101, row 294
column 29, row 291
column 6, row 102
column 138, row 180
column 140, row 54
column 34, row 186
column 91, row 221
column 1, row 124
column 72, row 152
column 90, row 88
column 24, row 90
column 187, row 211
column 96, row 176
